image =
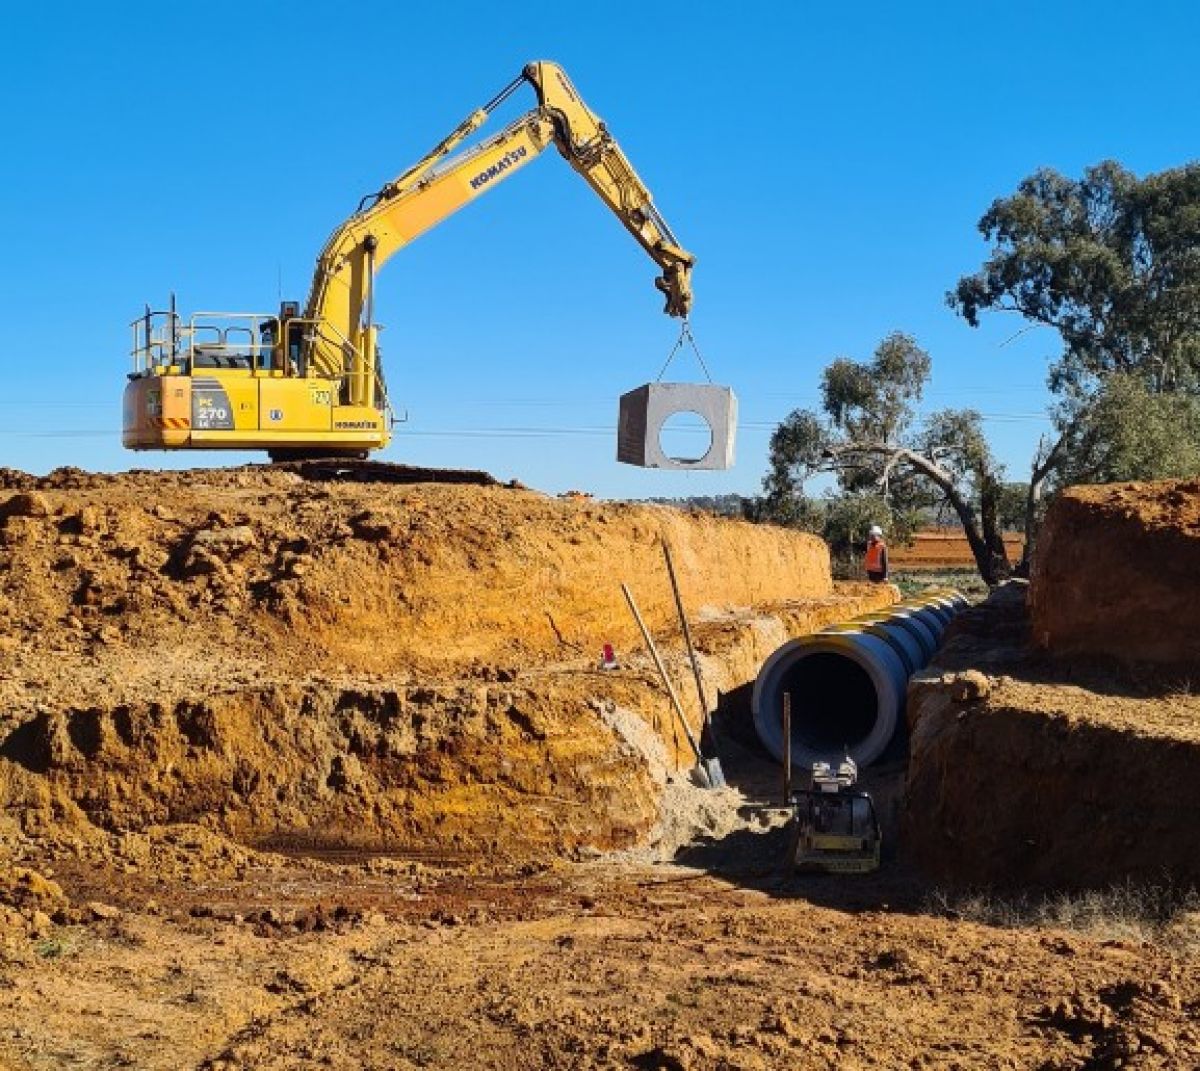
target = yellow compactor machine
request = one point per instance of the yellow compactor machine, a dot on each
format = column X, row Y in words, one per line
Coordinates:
column 307, row 382
column 834, row 829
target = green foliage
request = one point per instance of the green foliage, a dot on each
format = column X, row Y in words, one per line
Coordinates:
column 875, row 399
column 730, row 505
column 1111, row 262
column 1011, row 505
column 1130, row 433
column 51, row 948
column 890, row 467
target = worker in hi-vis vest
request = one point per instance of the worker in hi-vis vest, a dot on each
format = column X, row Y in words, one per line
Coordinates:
column 876, row 560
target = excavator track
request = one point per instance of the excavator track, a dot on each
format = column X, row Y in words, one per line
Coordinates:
column 352, row 470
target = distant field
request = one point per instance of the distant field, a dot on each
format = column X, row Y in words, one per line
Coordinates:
column 936, row 548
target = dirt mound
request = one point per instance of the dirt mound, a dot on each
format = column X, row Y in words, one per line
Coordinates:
column 1117, row 572
column 1032, row 771
column 369, row 577
column 322, row 663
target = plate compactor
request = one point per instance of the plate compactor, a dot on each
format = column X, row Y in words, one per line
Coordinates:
column 834, row 828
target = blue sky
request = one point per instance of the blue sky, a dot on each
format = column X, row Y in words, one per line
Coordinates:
column 826, row 163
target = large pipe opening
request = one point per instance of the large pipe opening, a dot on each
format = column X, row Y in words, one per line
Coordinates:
column 834, row 702
column 846, row 686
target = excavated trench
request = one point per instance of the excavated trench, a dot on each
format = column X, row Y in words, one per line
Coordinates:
column 1032, row 772
column 845, row 685
column 356, row 667
column 1055, row 742
column 533, row 767
column 290, row 662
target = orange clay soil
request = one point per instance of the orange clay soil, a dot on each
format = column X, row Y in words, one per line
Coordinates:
column 1029, row 770
column 1116, row 573
column 194, row 664
column 936, row 548
column 318, row 663
column 392, row 966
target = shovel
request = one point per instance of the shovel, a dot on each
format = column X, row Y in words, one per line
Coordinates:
column 700, row 774
column 712, row 766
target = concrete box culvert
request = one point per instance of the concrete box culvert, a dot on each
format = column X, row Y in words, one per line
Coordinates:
column 644, row 410
column 846, row 684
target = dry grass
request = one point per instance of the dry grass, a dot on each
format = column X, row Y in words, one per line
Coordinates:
column 1164, row 913
column 966, row 579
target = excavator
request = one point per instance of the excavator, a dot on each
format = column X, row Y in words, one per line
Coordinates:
column 308, row 383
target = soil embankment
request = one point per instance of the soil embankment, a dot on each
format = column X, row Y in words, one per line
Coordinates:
column 1029, row 772
column 341, row 665
column 1117, row 573
column 1055, row 739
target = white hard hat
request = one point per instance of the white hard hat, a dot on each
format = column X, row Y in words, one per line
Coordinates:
column 875, row 531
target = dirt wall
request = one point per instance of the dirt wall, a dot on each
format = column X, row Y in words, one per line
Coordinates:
column 371, row 577
column 1117, row 573
column 1033, row 772
column 386, row 667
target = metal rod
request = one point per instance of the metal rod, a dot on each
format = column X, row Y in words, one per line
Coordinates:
column 787, row 749
column 662, row 670
column 505, row 93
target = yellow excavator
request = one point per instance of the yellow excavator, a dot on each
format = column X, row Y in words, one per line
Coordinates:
column 308, row 383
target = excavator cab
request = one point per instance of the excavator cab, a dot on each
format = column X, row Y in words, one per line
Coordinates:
column 245, row 381
column 835, row 830
column 283, row 340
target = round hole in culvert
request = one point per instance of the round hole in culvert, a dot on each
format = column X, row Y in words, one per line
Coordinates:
column 685, row 437
column 834, row 703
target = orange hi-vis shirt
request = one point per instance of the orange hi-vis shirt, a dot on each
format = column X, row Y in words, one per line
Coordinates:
column 875, row 556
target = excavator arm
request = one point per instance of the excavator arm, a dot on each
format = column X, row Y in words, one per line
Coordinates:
column 585, row 143
column 341, row 341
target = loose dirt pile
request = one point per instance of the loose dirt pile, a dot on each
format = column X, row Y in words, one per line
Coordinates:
column 1116, row 573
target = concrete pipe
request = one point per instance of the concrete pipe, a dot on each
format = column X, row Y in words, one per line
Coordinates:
column 929, row 617
column 933, row 624
column 847, row 684
column 926, row 638
column 900, row 639
column 846, row 693
column 950, row 600
column 955, row 598
column 932, row 606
